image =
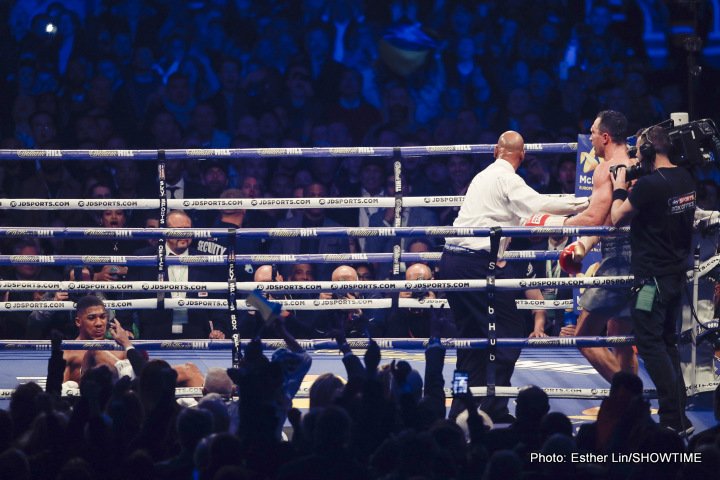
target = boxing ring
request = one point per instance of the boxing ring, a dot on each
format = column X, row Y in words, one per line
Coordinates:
column 552, row 363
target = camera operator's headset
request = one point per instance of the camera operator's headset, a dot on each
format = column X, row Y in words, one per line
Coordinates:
column 647, row 151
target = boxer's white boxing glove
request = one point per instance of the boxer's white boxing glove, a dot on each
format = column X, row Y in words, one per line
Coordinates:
column 70, row 389
column 544, row 220
column 125, row 369
column 571, row 258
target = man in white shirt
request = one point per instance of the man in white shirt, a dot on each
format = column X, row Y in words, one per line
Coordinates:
column 497, row 196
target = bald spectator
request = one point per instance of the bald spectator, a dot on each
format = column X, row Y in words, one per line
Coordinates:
column 416, row 322
column 354, row 321
column 250, row 324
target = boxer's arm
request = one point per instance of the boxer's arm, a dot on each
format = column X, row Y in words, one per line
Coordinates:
column 122, row 337
column 600, row 201
column 525, row 202
column 572, row 256
column 73, row 365
column 137, row 360
column 589, row 242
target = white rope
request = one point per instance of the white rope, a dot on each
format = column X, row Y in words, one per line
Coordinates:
column 544, row 304
column 231, row 203
column 582, row 393
column 317, row 287
column 180, row 392
column 299, row 304
column 130, row 304
column 77, row 204
column 221, row 304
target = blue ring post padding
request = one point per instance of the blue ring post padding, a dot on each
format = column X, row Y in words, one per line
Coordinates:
column 197, row 153
column 325, row 344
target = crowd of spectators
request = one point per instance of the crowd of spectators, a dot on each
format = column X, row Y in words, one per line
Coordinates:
column 384, row 422
column 235, row 73
column 224, row 73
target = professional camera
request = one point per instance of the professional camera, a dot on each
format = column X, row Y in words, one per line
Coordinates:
column 694, row 145
column 632, row 172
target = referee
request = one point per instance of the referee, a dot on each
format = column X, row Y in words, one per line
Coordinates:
column 497, row 196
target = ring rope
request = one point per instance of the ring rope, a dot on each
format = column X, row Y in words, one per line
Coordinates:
column 316, row 287
column 207, row 260
column 288, row 304
column 235, row 203
column 327, row 344
column 260, row 233
column 705, row 268
column 312, row 152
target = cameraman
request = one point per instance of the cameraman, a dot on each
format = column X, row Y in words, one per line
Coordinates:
column 660, row 210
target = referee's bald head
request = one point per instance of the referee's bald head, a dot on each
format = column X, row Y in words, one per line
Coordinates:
column 511, row 147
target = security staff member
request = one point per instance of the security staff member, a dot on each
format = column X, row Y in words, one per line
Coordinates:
column 660, row 210
column 497, row 196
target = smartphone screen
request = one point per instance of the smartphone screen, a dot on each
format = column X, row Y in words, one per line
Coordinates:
column 459, row 382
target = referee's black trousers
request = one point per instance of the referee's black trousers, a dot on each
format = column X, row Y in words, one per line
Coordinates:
column 470, row 309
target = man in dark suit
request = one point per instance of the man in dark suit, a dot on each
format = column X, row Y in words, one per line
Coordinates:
column 310, row 218
column 178, row 323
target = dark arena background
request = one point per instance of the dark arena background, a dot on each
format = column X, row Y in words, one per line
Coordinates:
column 257, row 194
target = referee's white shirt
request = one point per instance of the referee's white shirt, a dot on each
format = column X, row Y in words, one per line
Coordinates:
column 499, row 197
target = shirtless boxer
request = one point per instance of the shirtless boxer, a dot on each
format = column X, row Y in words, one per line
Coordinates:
column 604, row 306
column 92, row 322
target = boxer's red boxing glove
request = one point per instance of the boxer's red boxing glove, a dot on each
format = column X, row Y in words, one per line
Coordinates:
column 571, row 258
